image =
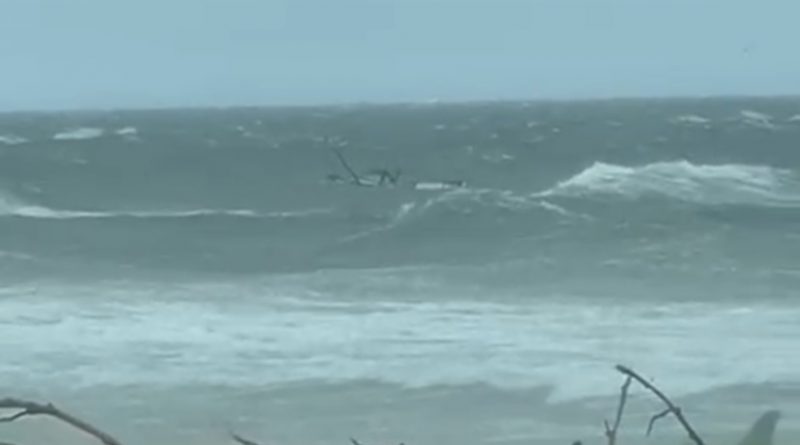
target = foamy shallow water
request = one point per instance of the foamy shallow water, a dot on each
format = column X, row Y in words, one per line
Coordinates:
column 516, row 372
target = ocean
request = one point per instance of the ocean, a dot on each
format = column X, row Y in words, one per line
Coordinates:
column 173, row 275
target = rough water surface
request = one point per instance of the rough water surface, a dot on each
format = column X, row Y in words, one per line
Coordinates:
column 171, row 274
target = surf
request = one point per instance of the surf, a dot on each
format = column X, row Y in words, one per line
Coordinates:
column 11, row 206
column 712, row 184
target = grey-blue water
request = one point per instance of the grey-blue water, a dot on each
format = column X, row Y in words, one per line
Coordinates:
column 171, row 274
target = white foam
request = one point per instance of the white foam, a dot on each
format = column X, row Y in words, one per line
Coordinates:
column 79, row 134
column 757, row 119
column 560, row 210
column 126, row 131
column 691, row 119
column 406, row 211
column 497, row 158
column 494, row 198
column 436, row 186
column 463, row 200
column 167, row 337
column 755, row 115
column 10, row 139
column 795, row 118
column 11, row 206
column 14, row 256
column 43, row 212
column 711, row 184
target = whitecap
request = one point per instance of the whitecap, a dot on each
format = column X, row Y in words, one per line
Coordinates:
column 692, row 119
column 757, row 119
column 12, row 206
column 79, row 134
column 497, row 158
column 439, row 185
column 10, row 139
column 710, row 184
column 127, row 131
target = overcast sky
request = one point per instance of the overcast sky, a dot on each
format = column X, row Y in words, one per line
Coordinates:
column 154, row 53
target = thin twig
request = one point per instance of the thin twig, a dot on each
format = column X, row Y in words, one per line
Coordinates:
column 35, row 409
column 13, row 417
column 611, row 432
column 671, row 406
column 655, row 418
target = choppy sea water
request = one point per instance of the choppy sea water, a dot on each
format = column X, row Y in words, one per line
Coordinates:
column 174, row 274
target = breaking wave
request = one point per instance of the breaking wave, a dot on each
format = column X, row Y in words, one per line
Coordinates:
column 757, row 119
column 702, row 184
column 79, row 134
column 11, row 206
column 10, row 139
column 691, row 119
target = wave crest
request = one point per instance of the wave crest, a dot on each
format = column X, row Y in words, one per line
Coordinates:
column 79, row 134
column 705, row 184
column 11, row 139
column 12, row 206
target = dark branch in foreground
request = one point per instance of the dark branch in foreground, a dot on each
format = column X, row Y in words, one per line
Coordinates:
column 656, row 417
column 611, row 431
column 671, row 408
column 35, row 409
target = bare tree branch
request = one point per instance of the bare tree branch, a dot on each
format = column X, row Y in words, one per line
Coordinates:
column 611, row 431
column 671, row 408
column 346, row 165
column 35, row 409
column 13, row 417
column 655, row 418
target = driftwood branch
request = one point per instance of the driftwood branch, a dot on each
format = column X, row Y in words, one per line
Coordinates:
column 671, row 408
column 611, row 431
column 35, row 409
column 346, row 165
column 14, row 417
column 657, row 417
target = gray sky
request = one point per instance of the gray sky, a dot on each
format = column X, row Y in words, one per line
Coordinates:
column 153, row 53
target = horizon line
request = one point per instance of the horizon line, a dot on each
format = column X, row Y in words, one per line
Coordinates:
column 392, row 103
